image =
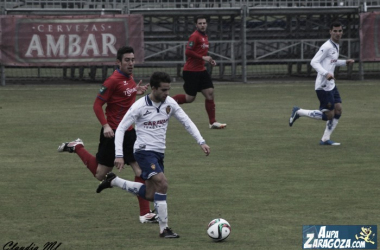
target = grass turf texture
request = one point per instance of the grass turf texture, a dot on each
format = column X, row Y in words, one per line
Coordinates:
column 265, row 178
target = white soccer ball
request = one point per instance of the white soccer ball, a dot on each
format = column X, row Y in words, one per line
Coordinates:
column 218, row 229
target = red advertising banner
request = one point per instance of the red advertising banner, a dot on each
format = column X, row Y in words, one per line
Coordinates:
column 370, row 36
column 69, row 40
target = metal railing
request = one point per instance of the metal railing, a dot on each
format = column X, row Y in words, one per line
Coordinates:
column 149, row 4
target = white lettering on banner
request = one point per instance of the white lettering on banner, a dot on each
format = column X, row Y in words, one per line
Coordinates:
column 109, row 42
column 91, row 45
column 35, row 44
column 57, row 47
column 53, row 46
column 327, row 234
column 67, row 27
column 74, row 45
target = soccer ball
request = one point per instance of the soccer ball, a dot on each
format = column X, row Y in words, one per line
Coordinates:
column 218, row 229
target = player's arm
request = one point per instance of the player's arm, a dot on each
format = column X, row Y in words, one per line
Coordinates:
column 316, row 62
column 189, row 125
column 98, row 109
column 345, row 62
column 125, row 123
column 191, row 53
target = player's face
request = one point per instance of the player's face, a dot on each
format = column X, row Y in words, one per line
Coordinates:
column 336, row 33
column 201, row 25
column 159, row 94
column 127, row 63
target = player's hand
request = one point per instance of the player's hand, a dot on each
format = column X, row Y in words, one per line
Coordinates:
column 108, row 131
column 119, row 163
column 206, row 149
column 141, row 89
column 329, row 76
column 350, row 61
column 209, row 60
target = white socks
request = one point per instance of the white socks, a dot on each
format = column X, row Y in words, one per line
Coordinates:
column 130, row 186
column 162, row 210
column 330, row 126
column 315, row 114
column 159, row 199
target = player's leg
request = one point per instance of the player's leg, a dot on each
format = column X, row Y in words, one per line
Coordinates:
column 105, row 156
column 190, row 86
column 321, row 114
column 149, row 166
column 77, row 147
column 334, row 116
column 146, row 216
column 161, row 187
column 102, row 171
column 207, row 89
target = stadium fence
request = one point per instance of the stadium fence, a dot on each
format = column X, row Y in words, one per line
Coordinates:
column 249, row 39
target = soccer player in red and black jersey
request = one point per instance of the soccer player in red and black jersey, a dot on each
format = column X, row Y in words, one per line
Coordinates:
column 195, row 75
column 119, row 93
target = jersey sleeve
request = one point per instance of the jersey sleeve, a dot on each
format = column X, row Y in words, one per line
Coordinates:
column 106, row 90
column 191, row 44
column 316, row 62
column 128, row 119
column 340, row 63
column 98, row 109
column 188, row 124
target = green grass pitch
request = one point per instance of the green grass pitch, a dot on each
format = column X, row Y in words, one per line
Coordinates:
column 265, row 178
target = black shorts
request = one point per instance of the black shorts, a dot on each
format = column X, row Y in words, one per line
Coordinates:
column 196, row 81
column 106, row 149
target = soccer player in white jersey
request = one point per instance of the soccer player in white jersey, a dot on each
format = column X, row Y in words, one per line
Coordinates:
column 151, row 116
column 330, row 108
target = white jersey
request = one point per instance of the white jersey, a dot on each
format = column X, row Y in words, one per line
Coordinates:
column 325, row 62
column 151, row 123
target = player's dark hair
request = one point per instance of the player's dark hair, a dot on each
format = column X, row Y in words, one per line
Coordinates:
column 123, row 50
column 199, row 17
column 335, row 24
column 158, row 77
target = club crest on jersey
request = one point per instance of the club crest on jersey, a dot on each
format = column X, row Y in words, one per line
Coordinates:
column 191, row 44
column 102, row 90
column 152, row 166
column 168, row 109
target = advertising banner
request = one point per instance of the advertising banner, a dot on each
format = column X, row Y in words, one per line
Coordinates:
column 370, row 36
column 69, row 40
column 339, row 237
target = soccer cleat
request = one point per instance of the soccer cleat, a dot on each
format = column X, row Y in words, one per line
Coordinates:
column 149, row 218
column 294, row 116
column 70, row 146
column 168, row 233
column 329, row 142
column 218, row 125
column 106, row 183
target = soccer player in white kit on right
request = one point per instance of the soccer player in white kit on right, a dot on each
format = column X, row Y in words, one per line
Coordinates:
column 324, row 62
column 150, row 115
